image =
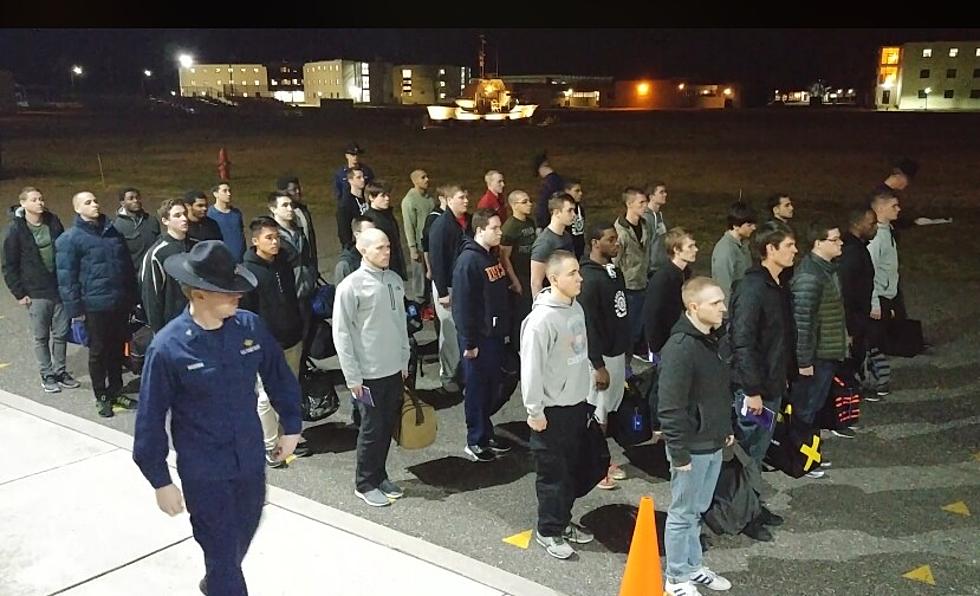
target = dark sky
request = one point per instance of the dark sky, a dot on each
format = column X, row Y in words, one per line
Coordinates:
column 759, row 58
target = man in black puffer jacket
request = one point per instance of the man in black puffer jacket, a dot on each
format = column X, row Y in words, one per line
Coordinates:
column 695, row 416
column 481, row 310
column 96, row 280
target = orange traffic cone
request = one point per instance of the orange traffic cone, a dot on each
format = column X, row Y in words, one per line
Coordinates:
column 643, row 576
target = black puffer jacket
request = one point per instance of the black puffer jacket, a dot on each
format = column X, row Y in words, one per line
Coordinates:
column 23, row 269
column 695, row 392
column 762, row 335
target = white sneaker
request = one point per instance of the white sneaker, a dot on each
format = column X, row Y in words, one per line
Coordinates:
column 681, row 588
column 815, row 474
column 711, row 580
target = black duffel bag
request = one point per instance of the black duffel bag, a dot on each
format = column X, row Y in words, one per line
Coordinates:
column 903, row 337
column 593, row 458
column 319, row 396
column 795, row 446
column 630, row 424
column 322, row 345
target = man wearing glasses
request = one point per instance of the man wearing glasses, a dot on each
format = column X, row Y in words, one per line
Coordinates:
column 818, row 310
column 515, row 256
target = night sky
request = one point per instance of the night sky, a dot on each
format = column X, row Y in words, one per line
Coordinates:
column 761, row 59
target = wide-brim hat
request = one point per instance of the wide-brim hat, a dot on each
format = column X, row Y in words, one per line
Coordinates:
column 354, row 149
column 209, row 266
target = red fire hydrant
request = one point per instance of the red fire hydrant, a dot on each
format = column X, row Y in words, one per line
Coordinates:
column 224, row 165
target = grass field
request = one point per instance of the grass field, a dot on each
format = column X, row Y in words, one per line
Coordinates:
column 826, row 160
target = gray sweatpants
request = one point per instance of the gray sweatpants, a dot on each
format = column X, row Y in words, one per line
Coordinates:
column 49, row 324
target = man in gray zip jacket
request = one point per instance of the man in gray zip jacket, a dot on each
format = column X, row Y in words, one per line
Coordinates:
column 555, row 382
column 371, row 337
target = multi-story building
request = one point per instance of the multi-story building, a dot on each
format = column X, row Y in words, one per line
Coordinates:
column 286, row 82
column 937, row 75
column 361, row 82
column 668, row 94
column 428, row 84
column 224, row 80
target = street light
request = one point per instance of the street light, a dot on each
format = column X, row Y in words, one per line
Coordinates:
column 147, row 73
column 76, row 70
column 927, row 91
column 186, row 60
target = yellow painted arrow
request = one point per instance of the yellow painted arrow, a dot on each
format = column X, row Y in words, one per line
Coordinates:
column 521, row 540
column 958, row 508
column 921, row 574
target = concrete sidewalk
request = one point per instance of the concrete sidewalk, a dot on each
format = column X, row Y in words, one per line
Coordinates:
column 78, row 518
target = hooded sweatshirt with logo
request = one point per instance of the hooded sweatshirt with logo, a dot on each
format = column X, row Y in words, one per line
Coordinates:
column 603, row 300
column 481, row 302
column 554, row 355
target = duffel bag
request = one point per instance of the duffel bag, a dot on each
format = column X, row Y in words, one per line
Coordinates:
column 416, row 427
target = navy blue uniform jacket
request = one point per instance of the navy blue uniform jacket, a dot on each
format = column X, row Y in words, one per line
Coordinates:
column 206, row 380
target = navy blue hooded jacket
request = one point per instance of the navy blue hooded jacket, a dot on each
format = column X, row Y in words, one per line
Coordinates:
column 445, row 240
column 481, row 302
column 95, row 273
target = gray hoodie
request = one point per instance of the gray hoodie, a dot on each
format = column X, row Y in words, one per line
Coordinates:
column 555, row 355
column 370, row 330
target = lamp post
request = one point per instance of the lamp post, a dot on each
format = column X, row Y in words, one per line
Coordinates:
column 185, row 61
column 927, row 91
column 147, row 73
column 76, row 70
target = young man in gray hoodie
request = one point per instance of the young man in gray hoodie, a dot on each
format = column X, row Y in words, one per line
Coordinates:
column 371, row 338
column 555, row 382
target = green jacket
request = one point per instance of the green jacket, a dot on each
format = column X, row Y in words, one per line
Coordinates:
column 415, row 208
column 818, row 310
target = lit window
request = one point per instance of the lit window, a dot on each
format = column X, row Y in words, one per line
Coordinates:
column 976, row 53
column 217, row 70
column 256, row 82
column 244, row 83
column 442, row 96
column 364, row 68
column 245, row 94
column 193, row 71
column 295, row 81
column 406, row 73
column 927, row 52
column 219, row 81
column 193, row 83
column 231, row 70
column 273, row 82
column 319, row 93
column 953, row 52
column 442, row 83
column 442, row 72
column 890, row 55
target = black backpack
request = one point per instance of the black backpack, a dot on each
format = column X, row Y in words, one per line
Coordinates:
column 319, row 395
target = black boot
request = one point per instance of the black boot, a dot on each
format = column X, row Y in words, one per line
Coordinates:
column 756, row 531
column 104, row 404
column 768, row 518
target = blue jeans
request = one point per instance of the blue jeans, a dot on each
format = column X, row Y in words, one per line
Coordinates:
column 690, row 497
column 810, row 393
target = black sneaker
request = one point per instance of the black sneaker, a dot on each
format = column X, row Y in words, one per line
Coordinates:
column 104, row 405
column 768, row 518
column 68, row 382
column 203, row 585
column 498, row 445
column 844, row 432
column 757, row 531
column 478, row 453
column 126, row 403
column 303, row 450
column 50, row 385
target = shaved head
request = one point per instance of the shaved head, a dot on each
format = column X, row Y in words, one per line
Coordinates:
column 369, row 237
column 79, row 199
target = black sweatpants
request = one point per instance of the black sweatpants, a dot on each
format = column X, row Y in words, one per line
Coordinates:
column 107, row 334
column 377, row 425
column 556, row 451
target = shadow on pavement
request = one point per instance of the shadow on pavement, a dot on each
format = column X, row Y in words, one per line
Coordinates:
column 613, row 526
column 652, row 459
column 455, row 474
column 333, row 437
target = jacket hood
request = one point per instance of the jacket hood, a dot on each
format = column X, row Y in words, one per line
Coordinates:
column 127, row 215
column 588, row 264
column 252, row 257
column 15, row 211
column 546, row 299
column 685, row 326
column 757, row 270
column 470, row 244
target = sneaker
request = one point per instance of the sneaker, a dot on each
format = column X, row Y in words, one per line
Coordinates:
column 826, row 463
column 303, row 450
column 711, row 580
column 498, row 445
column 104, row 404
column 616, row 473
column 126, row 403
column 373, row 497
column 815, row 474
column 855, row 427
column 50, row 385
column 883, row 391
column 556, row 546
column 844, row 432
column 390, row 489
column 872, row 396
column 272, row 462
column 68, row 382
column 478, row 453
column 768, row 518
column 577, row 534
column 203, row 585
column 607, row 483
column 757, row 531
column 681, row 588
